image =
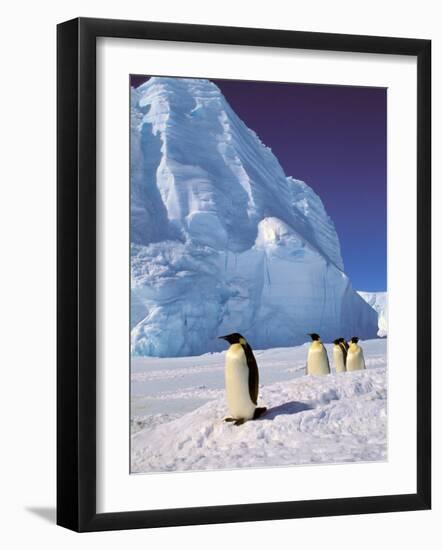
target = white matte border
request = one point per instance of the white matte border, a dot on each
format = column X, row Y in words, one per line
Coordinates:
column 117, row 490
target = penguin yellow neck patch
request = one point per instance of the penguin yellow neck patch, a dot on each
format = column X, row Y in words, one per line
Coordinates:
column 236, row 348
column 242, row 341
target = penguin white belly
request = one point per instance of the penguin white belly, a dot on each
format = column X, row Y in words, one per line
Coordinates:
column 237, row 384
column 317, row 361
column 355, row 360
column 338, row 359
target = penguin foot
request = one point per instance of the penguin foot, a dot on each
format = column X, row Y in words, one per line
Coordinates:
column 259, row 411
column 239, row 421
column 229, row 419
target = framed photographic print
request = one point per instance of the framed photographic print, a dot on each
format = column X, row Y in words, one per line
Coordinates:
column 243, row 274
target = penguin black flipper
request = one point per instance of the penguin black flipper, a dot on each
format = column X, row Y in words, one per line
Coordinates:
column 253, row 373
column 344, row 352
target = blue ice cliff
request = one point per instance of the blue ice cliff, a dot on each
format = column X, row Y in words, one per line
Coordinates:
column 221, row 239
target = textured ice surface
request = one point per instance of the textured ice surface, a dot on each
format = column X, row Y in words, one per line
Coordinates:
column 179, row 406
column 222, row 240
column 378, row 301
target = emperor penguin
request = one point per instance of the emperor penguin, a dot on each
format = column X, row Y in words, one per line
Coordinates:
column 317, row 359
column 339, row 355
column 242, row 380
column 355, row 356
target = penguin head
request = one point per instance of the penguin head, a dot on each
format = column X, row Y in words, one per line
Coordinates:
column 354, row 340
column 341, row 340
column 234, row 338
column 337, row 342
column 315, row 337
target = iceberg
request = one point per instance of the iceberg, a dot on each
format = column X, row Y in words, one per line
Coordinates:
column 221, row 239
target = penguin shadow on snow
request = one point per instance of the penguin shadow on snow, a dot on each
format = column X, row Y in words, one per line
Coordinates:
column 291, row 407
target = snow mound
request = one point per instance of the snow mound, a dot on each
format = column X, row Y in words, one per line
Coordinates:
column 378, row 301
column 310, row 420
column 222, row 240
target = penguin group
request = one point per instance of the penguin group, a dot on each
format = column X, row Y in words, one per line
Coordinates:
column 242, row 377
column 347, row 356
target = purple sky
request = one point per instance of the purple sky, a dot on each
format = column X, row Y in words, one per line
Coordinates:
column 334, row 139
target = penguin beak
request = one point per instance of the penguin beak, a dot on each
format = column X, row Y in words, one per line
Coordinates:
column 222, row 337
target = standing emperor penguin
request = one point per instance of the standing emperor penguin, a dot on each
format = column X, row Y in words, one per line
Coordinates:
column 339, row 355
column 355, row 356
column 242, row 380
column 317, row 360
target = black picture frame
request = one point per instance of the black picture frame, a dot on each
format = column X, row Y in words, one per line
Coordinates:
column 76, row 274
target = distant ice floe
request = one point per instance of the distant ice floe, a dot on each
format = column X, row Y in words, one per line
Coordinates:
column 379, row 302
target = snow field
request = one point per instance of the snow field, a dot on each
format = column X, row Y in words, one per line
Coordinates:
column 310, row 420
